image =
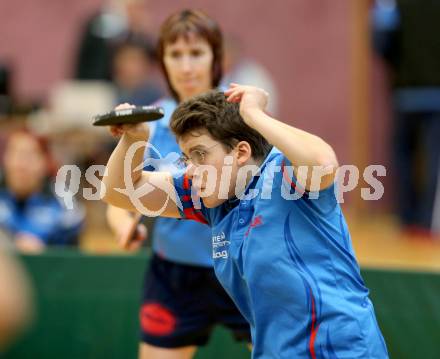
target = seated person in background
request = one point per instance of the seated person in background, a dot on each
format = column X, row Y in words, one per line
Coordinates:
column 115, row 20
column 29, row 208
column 133, row 75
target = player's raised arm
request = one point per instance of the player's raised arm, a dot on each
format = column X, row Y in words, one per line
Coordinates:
column 300, row 147
column 144, row 192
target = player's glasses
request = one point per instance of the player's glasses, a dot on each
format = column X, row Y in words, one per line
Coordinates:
column 196, row 157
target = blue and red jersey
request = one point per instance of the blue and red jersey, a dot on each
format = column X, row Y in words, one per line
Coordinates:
column 290, row 268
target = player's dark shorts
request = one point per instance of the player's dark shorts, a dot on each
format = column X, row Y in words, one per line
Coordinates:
column 182, row 304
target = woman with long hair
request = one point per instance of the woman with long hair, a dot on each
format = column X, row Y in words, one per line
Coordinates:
column 182, row 299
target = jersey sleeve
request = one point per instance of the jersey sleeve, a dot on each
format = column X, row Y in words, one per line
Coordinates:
column 322, row 201
column 191, row 206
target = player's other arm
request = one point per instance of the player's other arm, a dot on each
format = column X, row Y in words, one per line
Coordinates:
column 127, row 228
column 15, row 299
column 300, row 147
column 157, row 186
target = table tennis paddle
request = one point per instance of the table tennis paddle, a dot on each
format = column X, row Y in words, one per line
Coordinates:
column 131, row 115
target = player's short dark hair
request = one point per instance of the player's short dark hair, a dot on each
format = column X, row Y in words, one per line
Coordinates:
column 211, row 112
column 185, row 23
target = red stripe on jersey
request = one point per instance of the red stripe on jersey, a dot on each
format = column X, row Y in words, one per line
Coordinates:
column 314, row 329
column 185, row 182
column 289, row 180
column 196, row 216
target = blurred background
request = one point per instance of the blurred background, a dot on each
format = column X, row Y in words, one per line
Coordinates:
column 363, row 74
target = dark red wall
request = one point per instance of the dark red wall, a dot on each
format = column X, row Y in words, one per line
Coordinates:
column 305, row 44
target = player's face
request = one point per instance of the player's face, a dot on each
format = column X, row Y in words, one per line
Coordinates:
column 25, row 164
column 212, row 168
column 188, row 63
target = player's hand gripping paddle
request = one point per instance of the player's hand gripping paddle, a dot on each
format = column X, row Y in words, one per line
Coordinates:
column 134, row 234
column 130, row 115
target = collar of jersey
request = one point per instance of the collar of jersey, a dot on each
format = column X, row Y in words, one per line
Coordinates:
column 234, row 201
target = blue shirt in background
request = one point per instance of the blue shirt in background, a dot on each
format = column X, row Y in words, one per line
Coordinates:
column 43, row 215
column 179, row 241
